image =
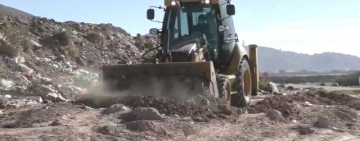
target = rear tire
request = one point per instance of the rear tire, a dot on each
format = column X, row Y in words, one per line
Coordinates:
column 242, row 85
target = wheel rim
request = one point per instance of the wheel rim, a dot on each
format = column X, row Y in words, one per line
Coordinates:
column 246, row 85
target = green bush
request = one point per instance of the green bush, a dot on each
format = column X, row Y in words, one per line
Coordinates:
column 265, row 86
column 143, row 43
column 322, row 84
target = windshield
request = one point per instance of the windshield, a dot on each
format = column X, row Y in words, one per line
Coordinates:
column 195, row 19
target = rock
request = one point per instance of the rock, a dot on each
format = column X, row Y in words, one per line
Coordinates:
column 45, row 80
column 41, row 90
column 13, row 106
column 142, row 113
column 7, row 96
column 86, row 107
column 4, row 102
column 57, row 122
column 198, row 119
column 6, row 84
column 226, row 109
column 308, row 104
column 25, row 68
column 274, row 88
column 47, row 92
column 204, row 102
column 34, row 98
column 143, row 125
column 147, row 113
column 304, row 130
column 108, row 130
column 322, row 122
column 54, row 97
column 275, row 115
column 116, row 108
column 290, row 88
column 280, row 94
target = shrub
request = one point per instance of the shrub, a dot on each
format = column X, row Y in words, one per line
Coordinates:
column 322, row 84
column 7, row 50
column 143, row 43
column 265, row 86
column 11, row 40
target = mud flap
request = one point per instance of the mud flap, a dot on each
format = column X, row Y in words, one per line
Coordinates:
column 165, row 79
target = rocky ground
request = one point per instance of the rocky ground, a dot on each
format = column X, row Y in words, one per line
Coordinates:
column 312, row 115
column 50, row 90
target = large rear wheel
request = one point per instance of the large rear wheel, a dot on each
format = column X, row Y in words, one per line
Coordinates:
column 242, row 85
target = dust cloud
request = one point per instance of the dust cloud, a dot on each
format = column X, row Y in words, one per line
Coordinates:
column 179, row 88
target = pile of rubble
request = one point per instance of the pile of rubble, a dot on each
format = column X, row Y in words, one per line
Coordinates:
column 202, row 110
column 45, row 60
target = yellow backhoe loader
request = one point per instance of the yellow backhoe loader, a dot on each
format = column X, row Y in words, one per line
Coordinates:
column 198, row 53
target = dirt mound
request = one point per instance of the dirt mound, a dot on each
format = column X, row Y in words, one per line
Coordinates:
column 289, row 105
column 167, row 106
column 328, row 97
column 64, row 57
column 284, row 104
column 337, row 98
column 49, row 47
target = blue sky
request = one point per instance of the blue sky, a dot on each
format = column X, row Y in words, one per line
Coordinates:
column 306, row 26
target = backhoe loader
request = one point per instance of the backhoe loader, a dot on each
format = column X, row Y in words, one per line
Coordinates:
column 191, row 61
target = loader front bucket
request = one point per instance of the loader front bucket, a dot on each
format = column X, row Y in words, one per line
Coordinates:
column 175, row 80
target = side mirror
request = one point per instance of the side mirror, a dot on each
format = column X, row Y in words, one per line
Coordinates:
column 230, row 9
column 150, row 14
column 154, row 31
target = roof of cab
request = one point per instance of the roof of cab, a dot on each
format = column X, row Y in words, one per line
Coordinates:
column 168, row 2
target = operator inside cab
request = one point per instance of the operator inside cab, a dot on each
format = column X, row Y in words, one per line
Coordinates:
column 201, row 26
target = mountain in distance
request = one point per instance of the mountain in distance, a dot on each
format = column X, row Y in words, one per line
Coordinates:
column 273, row 60
column 9, row 11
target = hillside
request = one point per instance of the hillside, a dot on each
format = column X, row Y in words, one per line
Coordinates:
column 273, row 60
column 9, row 11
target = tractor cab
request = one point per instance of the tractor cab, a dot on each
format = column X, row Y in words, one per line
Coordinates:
column 190, row 24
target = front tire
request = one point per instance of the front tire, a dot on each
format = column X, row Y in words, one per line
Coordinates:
column 242, row 86
column 223, row 86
